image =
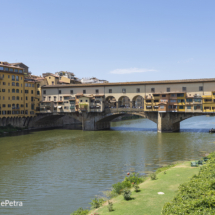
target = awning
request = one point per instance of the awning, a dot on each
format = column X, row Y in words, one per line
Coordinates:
column 59, row 107
column 148, row 106
column 155, row 106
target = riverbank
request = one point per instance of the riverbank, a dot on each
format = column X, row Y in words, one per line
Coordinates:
column 147, row 201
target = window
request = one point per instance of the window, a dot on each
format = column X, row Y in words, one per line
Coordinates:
column 8, row 76
column 6, row 69
column 32, row 99
column 124, row 90
column 55, row 98
column 38, row 92
column 173, row 95
column 4, row 83
column 86, row 100
column 152, row 90
column 173, row 100
column 52, row 82
column 168, row 89
column 20, row 71
column 97, row 91
column 26, row 98
column 26, row 105
column 180, row 94
column 13, row 77
column 21, row 78
column 180, row 100
column 162, row 107
column 71, row 91
column 197, row 100
column 17, row 90
column 163, row 96
column 59, row 91
column 11, row 69
column 9, row 105
column 3, row 105
column 8, row 84
column 8, row 98
column 44, row 91
column 13, row 97
column 26, row 91
column 49, row 98
column 17, row 84
column 17, row 78
column 138, row 90
column 154, row 100
column 80, row 100
column 61, row 98
column 184, row 89
column 32, row 107
column 38, row 85
column 32, row 85
column 189, row 107
column 32, row 92
column 26, row 84
column 1, row 68
column 110, row 90
column 8, row 90
column 181, row 107
column 201, row 88
column 189, row 100
column 17, row 98
column 44, row 98
column 3, row 97
column 84, row 91
column 13, row 84
column 13, row 90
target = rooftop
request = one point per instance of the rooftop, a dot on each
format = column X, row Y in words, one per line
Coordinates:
column 134, row 83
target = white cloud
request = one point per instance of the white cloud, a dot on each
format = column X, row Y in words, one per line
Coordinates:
column 131, row 70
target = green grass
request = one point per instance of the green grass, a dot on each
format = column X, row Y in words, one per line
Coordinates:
column 147, row 201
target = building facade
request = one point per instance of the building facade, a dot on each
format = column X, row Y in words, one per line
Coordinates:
column 195, row 95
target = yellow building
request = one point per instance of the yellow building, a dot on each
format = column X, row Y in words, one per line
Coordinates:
column 11, row 91
column 18, row 95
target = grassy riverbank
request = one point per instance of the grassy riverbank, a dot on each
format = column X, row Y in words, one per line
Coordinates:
column 147, row 201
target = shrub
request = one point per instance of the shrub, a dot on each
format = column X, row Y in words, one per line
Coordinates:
column 97, row 202
column 110, row 206
column 80, row 211
column 127, row 194
column 153, row 176
column 197, row 195
column 136, row 188
column 118, row 187
column 135, row 178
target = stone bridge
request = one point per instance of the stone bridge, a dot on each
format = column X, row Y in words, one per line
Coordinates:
column 92, row 121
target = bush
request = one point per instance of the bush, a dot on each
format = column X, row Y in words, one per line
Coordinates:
column 135, row 178
column 80, row 211
column 110, row 206
column 136, row 187
column 118, row 187
column 153, row 176
column 127, row 194
column 97, row 202
column 197, row 195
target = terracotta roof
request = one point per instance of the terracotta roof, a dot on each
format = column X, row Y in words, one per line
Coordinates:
column 136, row 83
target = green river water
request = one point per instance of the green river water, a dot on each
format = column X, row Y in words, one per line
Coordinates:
column 57, row 171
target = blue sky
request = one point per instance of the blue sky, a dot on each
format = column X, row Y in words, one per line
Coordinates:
column 116, row 40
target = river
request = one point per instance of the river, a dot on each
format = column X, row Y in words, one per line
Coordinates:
column 57, row 171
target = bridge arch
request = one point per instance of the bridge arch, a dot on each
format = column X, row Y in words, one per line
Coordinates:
column 124, row 101
column 110, row 102
column 138, row 101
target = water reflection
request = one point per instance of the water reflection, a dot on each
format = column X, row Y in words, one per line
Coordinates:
column 57, row 171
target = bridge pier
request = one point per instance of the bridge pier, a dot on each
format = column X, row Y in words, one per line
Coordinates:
column 167, row 123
